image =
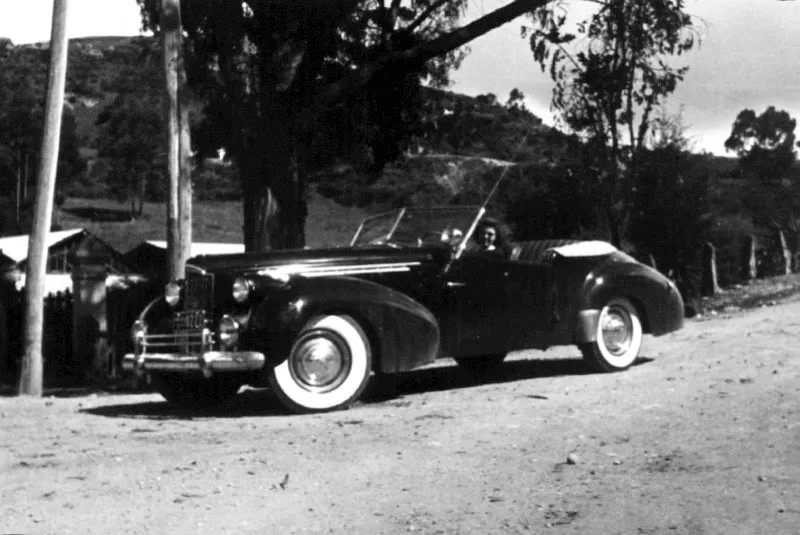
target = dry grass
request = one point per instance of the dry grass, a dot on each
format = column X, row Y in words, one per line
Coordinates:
column 327, row 223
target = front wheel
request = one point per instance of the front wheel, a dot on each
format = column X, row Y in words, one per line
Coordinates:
column 328, row 366
column 619, row 337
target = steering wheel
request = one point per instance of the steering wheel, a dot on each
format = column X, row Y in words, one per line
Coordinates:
column 405, row 238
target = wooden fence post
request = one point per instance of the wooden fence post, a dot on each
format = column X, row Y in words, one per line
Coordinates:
column 710, row 285
column 749, row 265
column 90, row 341
column 786, row 254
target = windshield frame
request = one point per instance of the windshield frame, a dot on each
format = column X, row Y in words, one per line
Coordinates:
column 382, row 228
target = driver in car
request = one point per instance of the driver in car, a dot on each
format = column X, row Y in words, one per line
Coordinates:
column 490, row 240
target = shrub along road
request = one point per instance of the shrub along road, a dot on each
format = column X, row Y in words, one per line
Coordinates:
column 702, row 436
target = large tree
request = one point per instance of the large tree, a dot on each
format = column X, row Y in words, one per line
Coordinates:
column 272, row 70
column 765, row 143
column 611, row 71
column 132, row 146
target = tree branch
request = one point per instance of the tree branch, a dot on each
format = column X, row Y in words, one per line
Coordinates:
column 431, row 8
column 428, row 50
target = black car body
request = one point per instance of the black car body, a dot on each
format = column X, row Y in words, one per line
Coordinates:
column 315, row 323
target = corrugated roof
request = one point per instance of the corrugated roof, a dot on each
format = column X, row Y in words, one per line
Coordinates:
column 16, row 247
column 205, row 248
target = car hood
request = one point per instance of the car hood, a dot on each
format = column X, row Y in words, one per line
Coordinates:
column 342, row 261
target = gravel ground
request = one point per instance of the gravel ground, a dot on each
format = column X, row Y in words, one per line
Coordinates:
column 701, row 436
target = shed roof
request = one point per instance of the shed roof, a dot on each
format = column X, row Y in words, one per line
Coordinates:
column 16, row 247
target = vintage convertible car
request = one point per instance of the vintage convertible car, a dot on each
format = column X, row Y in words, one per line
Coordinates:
column 315, row 324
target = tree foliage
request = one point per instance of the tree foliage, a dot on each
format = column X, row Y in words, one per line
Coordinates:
column 132, row 145
column 23, row 79
column 282, row 76
column 611, row 71
column 765, row 143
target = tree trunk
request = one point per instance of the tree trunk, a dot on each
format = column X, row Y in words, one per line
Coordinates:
column 273, row 174
column 18, row 192
column 614, row 228
column 140, row 197
column 274, row 207
column 25, row 180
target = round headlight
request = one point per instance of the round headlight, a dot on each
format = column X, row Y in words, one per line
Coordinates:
column 172, row 293
column 138, row 332
column 228, row 331
column 241, row 289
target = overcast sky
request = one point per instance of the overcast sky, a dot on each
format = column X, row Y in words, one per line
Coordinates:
column 749, row 57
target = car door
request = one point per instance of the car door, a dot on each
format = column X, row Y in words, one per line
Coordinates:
column 531, row 302
column 495, row 305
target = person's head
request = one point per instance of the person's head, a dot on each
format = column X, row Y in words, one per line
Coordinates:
column 487, row 235
column 453, row 236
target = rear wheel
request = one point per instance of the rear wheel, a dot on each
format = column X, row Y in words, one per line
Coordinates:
column 328, row 366
column 481, row 365
column 619, row 337
column 195, row 391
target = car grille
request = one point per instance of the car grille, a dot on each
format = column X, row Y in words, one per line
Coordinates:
column 198, row 290
column 188, row 335
column 186, row 332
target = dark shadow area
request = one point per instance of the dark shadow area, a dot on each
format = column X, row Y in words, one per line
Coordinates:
column 452, row 377
column 381, row 389
column 250, row 402
column 108, row 215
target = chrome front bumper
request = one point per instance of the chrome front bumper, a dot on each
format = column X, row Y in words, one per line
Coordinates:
column 208, row 362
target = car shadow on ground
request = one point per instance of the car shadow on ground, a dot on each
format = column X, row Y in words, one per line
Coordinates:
column 382, row 389
column 452, row 377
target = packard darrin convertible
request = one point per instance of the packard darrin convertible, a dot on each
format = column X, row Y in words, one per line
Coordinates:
column 315, row 324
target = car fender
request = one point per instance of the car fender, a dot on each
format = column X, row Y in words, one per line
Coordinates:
column 403, row 333
column 656, row 297
column 155, row 311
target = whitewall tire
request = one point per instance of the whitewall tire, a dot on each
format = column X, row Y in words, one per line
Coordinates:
column 619, row 337
column 327, row 368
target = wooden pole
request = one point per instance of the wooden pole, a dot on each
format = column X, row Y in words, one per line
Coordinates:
column 710, row 282
column 30, row 382
column 749, row 265
column 179, row 211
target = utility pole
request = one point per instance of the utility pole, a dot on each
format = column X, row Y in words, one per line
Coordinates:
column 179, row 208
column 30, row 382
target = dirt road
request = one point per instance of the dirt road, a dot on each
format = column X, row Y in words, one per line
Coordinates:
column 703, row 436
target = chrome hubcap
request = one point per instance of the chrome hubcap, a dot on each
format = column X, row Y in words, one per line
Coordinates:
column 320, row 361
column 617, row 331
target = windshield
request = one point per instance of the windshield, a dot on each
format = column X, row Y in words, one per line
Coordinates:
column 417, row 226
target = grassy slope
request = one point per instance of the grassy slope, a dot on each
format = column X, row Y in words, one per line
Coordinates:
column 327, row 224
